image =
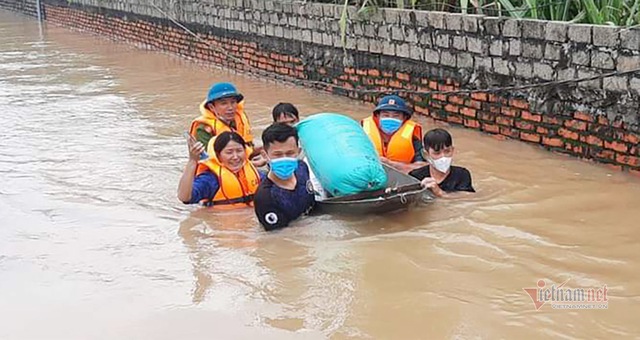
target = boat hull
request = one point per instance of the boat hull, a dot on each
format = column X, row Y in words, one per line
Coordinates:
column 402, row 192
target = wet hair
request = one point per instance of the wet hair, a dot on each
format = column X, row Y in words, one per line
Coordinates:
column 437, row 139
column 278, row 132
column 284, row 108
column 223, row 139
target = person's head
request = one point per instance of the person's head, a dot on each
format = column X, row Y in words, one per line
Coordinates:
column 280, row 142
column 392, row 112
column 223, row 99
column 285, row 113
column 438, row 149
column 230, row 150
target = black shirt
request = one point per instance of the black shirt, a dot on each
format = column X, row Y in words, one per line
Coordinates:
column 458, row 179
column 276, row 207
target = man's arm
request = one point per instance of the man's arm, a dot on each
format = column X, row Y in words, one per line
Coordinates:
column 433, row 186
column 462, row 188
column 268, row 213
column 205, row 186
column 258, row 157
column 204, row 133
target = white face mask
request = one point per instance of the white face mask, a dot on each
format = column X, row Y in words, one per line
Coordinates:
column 441, row 164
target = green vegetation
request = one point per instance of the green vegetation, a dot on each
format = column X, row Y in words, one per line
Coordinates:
column 600, row 12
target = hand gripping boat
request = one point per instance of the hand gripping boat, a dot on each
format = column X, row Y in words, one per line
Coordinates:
column 402, row 192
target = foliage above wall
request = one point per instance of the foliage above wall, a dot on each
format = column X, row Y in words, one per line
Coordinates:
column 599, row 12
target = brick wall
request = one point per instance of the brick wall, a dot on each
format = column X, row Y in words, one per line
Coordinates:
column 396, row 49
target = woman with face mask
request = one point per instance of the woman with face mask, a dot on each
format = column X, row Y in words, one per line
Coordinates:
column 226, row 180
column 395, row 136
column 440, row 176
column 287, row 192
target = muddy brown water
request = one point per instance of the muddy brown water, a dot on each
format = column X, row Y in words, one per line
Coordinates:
column 94, row 244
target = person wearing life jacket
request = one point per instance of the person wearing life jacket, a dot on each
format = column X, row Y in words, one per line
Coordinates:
column 223, row 110
column 396, row 137
column 226, row 180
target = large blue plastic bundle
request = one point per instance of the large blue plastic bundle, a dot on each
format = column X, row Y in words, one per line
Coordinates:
column 341, row 155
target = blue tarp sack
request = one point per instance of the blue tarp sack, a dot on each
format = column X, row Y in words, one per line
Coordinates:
column 341, row 155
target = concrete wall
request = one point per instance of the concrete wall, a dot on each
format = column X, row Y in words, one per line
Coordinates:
column 24, row 6
column 398, row 49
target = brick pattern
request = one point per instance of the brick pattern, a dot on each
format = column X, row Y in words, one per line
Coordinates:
column 161, row 35
column 577, row 133
column 605, row 138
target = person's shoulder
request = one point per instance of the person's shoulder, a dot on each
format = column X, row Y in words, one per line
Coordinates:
column 420, row 173
column 263, row 194
column 416, row 125
column 461, row 171
column 265, row 183
column 303, row 171
column 413, row 121
column 303, row 165
column 207, row 175
column 462, row 178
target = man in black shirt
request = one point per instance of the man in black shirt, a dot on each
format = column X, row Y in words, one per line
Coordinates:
column 286, row 193
column 439, row 176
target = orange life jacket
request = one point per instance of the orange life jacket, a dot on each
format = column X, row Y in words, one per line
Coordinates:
column 400, row 146
column 236, row 190
column 243, row 128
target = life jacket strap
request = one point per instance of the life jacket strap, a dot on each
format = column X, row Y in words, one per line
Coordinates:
column 247, row 199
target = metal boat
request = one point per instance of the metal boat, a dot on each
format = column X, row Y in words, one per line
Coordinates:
column 402, row 192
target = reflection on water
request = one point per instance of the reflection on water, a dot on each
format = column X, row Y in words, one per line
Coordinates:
column 94, row 244
column 222, row 248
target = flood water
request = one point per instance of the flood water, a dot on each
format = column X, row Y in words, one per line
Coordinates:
column 95, row 245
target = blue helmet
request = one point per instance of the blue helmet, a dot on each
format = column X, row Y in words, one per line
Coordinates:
column 392, row 103
column 223, row 90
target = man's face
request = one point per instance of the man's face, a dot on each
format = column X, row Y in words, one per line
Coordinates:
column 447, row 151
column 392, row 114
column 225, row 108
column 288, row 148
column 287, row 118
